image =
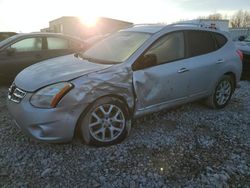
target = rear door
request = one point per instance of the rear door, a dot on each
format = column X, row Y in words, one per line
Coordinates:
column 21, row 54
column 204, row 61
column 167, row 80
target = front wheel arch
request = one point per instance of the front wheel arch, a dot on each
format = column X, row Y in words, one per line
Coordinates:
column 128, row 113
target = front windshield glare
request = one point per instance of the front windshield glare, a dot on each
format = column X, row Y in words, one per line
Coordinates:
column 117, row 48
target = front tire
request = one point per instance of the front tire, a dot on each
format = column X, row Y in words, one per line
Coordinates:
column 222, row 93
column 106, row 122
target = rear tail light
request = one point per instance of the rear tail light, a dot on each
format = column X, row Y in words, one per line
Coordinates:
column 240, row 54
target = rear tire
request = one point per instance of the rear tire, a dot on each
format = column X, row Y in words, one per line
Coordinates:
column 106, row 122
column 222, row 93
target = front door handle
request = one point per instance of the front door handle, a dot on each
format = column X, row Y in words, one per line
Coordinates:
column 183, row 70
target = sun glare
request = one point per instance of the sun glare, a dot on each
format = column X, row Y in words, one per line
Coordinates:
column 89, row 21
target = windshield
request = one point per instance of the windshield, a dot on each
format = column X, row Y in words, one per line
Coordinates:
column 116, row 48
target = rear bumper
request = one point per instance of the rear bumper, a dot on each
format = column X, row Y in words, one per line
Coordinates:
column 246, row 66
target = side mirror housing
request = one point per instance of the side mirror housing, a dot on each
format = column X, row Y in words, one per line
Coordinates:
column 145, row 61
column 149, row 60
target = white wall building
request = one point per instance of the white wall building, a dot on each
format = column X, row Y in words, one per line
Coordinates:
column 220, row 24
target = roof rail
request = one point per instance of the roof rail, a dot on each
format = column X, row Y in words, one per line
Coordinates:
column 142, row 24
column 195, row 24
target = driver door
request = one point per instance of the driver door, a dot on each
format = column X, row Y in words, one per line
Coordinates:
column 166, row 81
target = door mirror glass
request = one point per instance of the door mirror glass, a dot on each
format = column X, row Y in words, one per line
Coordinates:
column 149, row 60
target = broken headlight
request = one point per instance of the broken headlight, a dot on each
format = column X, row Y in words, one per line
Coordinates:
column 50, row 96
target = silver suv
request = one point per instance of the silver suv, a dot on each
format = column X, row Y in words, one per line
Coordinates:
column 133, row 72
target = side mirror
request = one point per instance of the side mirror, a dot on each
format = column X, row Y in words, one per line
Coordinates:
column 145, row 61
column 10, row 51
column 149, row 60
column 241, row 38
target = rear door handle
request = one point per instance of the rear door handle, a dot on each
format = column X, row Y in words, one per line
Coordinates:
column 183, row 70
column 220, row 61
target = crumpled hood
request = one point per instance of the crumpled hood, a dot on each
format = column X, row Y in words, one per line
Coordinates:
column 54, row 70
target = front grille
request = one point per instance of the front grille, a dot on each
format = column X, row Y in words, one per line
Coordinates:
column 15, row 94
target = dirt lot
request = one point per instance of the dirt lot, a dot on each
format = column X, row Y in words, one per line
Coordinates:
column 190, row 146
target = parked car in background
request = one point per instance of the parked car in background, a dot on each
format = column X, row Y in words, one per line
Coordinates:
column 23, row 50
column 5, row 35
column 130, row 73
column 243, row 43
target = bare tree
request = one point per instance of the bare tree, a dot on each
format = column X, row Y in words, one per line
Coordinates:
column 240, row 19
column 215, row 16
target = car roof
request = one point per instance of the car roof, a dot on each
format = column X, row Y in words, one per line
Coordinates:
column 154, row 28
column 44, row 34
column 146, row 28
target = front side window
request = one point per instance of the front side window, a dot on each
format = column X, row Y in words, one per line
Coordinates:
column 200, row 42
column 29, row 44
column 57, row 43
column 117, row 47
column 168, row 48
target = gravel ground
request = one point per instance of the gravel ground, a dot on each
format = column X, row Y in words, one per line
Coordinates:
column 189, row 146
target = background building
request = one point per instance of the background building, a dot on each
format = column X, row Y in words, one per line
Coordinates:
column 220, row 24
column 237, row 32
column 74, row 27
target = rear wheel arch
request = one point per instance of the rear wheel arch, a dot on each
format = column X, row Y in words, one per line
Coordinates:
column 233, row 76
column 222, row 91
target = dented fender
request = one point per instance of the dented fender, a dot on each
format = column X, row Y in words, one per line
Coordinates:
column 90, row 87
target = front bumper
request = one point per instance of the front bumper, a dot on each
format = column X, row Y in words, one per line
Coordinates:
column 49, row 125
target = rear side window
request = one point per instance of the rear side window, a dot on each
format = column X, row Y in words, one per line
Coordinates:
column 57, row 43
column 220, row 39
column 199, row 43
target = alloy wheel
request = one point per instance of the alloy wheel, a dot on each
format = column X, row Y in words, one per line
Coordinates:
column 223, row 92
column 106, row 122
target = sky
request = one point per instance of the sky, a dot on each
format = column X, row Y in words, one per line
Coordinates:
column 33, row 15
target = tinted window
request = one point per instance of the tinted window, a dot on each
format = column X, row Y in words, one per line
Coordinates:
column 220, row 39
column 57, row 43
column 30, row 44
column 200, row 42
column 168, row 48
